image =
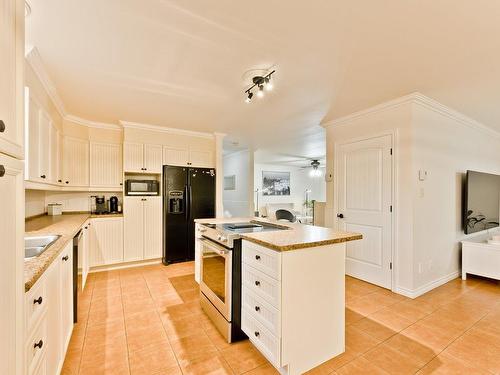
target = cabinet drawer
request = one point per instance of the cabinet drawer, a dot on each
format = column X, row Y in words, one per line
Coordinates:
column 262, row 311
column 36, row 346
column 263, row 340
column 265, row 260
column 35, row 302
column 262, row 285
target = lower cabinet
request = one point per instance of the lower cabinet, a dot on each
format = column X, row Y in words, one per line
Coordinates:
column 142, row 228
column 290, row 311
column 49, row 316
column 106, row 241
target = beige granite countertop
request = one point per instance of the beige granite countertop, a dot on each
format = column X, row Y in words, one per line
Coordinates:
column 64, row 225
column 298, row 236
column 67, row 226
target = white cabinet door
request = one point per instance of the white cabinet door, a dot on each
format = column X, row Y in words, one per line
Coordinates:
column 153, row 227
column 66, row 288
column 11, row 255
column 44, row 146
column 105, row 164
column 106, row 241
column 133, row 222
column 11, row 134
column 53, row 300
column 33, row 141
column 76, row 162
column 133, row 157
column 84, row 254
column 203, row 159
column 153, row 158
column 54, row 154
column 176, row 156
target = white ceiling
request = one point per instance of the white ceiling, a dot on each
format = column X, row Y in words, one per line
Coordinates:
column 180, row 63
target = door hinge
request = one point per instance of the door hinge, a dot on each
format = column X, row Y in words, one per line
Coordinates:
column 390, row 265
column 390, row 208
column 391, row 150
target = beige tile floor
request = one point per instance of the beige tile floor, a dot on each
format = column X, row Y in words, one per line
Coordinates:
column 148, row 321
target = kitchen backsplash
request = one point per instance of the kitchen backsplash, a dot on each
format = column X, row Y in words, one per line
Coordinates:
column 37, row 201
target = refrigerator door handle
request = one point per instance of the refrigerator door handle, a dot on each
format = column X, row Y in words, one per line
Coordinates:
column 190, row 200
column 186, row 202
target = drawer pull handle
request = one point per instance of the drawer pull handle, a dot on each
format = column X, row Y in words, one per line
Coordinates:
column 257, row 257
column 257, row 282
column 65, row 258
column 38, row 344
column 2, row 171
column 257, row 308
column 2, row 126
column 43, row 176
column 38, row 300
column 257, row 333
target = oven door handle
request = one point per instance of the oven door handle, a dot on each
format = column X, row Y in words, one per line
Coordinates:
column 219, row 249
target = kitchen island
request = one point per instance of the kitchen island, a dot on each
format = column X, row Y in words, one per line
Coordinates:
column 292, row 292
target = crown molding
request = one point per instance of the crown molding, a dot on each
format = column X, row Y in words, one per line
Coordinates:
column 92, row 124
column 159, row 128
column 35, row 61
column 420, row 99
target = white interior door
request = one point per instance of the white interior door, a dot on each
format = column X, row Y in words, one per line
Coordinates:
column 365, row 206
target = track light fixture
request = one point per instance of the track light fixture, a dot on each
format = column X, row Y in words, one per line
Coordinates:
column 261, row 83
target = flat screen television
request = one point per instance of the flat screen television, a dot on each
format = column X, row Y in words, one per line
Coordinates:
column 481, row 201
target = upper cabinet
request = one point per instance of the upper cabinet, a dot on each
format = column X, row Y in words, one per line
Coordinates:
column 11, row 131
column 75, row 162
column 142, row 158
column 189, row 156
column 43, row 148
column 105, row 165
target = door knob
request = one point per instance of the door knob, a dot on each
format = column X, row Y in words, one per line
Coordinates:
column 340, row 216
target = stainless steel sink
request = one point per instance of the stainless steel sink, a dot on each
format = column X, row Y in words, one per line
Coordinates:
column 34, row 246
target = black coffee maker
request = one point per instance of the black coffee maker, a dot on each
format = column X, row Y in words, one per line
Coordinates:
column 113, row 204
column 100, row 205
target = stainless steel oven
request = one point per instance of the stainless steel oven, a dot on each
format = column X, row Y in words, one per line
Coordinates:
column 216, row 276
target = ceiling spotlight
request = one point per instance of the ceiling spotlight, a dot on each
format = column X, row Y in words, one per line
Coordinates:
column 261, row 82
column 260, row 93
column 268, row 84
column 249, row 97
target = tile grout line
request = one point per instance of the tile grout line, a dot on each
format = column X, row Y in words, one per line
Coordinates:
column 125, row 323
column 85, row 330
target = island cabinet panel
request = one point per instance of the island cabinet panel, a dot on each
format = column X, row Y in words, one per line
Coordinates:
column 293, row 307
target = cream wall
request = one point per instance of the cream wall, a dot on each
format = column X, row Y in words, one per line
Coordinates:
column 427, row 214
column 34, row 203
column 446, row 148
column 239, row 202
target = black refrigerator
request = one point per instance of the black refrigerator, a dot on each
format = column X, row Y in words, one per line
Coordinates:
column 188, row 194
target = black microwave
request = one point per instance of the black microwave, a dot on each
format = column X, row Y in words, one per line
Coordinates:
column 142, row 187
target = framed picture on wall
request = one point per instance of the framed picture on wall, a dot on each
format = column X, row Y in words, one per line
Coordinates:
column 275, row 183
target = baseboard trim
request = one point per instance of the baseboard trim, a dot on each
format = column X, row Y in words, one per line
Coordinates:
column 414, row 293
column 118, row 266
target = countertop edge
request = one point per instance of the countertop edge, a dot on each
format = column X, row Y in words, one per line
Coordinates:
column 305, row 245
